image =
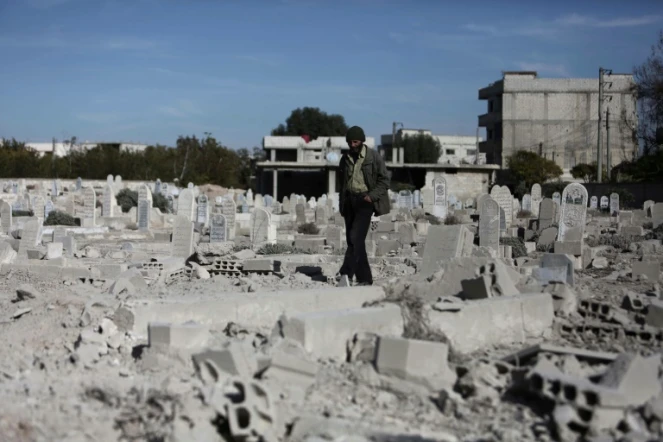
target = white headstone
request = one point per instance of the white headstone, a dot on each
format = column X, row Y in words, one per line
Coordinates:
column 573, row 213
column 440, row 203
column 185, row 204
column 203, row 209
column 218, row 228
column 108, row 203
column 182, row 242
column 89, row 206
column 594, row 202
column 536, row 199
column 614, row 204
column 489, row 224
column 261, row 227
column 229, row 210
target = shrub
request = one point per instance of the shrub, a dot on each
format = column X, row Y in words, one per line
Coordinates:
column 517, row 246
column 524, row 214
column 160, row 202
column 275, row 249
column 57, row 218
column 432, row 219
column 17, row 213
column 626, row 198
column 452, row 219
column 239, row 247
column 308, row 229
column 648, row 225
column 127, row 198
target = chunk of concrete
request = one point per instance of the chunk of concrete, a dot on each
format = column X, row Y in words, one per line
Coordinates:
column 326, row 334
column 651, row 269
column 26, row 291
column 259, row 309
column 421, row 362
column 636, row 377
column 258, row 265
column 54, row 250
column 654, row 315
column 484, row 323
column 185, row 336
column 560, row 260
column 291, row 370
column 234, row 359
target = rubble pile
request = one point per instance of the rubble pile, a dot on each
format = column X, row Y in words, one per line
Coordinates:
column 188, row 329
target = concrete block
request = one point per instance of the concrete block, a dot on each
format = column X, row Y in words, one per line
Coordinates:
column 252, row 414
column 110, row 271
column 291, row 370
column 651, row 269
column 477, row 288
column 244, row 254
column 185, row 336
column 258, row 265
column 655, row 314
column 634, row 376
column 421, row 362
column 547, row 275
column 632, row 230
column 561, row 260
column 484, row 323
column 326, row 334
column 234, row 359
column 53, row 251
column 569, row 247
column 384, row 246
column 260, row 309
column 363, row 347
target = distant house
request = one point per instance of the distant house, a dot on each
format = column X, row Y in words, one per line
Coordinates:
column 61, row 149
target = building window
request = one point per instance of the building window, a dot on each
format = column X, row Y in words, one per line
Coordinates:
column 471, row 152
column 450, row 152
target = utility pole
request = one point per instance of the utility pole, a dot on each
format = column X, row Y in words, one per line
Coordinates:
column 599, row 154
column 394, row 149
column 476, row 155
column 607, row 142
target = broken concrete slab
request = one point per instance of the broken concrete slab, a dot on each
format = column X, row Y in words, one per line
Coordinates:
column 634, row 376
column 177, row 336
column 505, row 320
column 261, row 310
column 526, row 354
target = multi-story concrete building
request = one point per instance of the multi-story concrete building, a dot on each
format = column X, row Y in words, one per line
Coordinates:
column 558, row 118
column 61, row 149
column 456, row 149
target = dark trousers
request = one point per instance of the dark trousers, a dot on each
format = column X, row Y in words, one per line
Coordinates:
column 357, row 214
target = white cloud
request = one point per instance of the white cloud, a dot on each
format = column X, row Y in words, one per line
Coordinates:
column 544, row 68
column 618, row 22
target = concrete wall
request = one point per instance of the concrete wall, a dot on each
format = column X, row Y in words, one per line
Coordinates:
column 641, row 192
column 463, row 184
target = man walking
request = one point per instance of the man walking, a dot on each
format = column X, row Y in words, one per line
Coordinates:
column 364, row 185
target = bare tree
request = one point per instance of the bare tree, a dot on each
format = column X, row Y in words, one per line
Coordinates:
column 649, row 89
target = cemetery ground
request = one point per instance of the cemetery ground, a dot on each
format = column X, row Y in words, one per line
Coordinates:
column 539, row 319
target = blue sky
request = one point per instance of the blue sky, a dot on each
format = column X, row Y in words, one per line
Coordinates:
column 150, row 70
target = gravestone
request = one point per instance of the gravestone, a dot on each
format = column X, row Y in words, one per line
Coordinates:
column 218, row 229
column 38, row 207
column 647, row 207
column 444, row 243
column 440, row 202
column 249, row 197
column 277, row 208
column 503, row 196
column 573, row 213
column 417, row 198
column 260, row 226
column 5, row 216
column 480, row 200
column 88, row 218
column 605, row 203
column 79, row 183
column 182, row 242
column 451, row 200
column 185, row 204
column 157, row 186
column 536, row 198
column 144, row 214
column 312, row 203
column 557, row 198
column 458, row 205
column 293, row 204
column 55, row 191
column 245, row 207
column 107, row 204
column 405, row 200
column 527, row 202
column 614, row 204
column 229, row 211
column 269, row 200
column 171, row 202
column 165, row 189
column 109, row 180
column 469, row 203
column 31, row 236
column 258, row 201
column 657, row 214
column 203, row 209
column 594, row 202
column 286, row 204
column 489, row 224
column 48, row 208
column 321, row 216
column 190, row 186
column 301, row 214
column 546, row 213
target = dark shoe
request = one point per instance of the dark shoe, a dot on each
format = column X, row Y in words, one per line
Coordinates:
column 363, row 283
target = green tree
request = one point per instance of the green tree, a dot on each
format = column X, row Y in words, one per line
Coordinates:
column 530, row 168
column 420, row 148
column 586, row 172
column 313, row 122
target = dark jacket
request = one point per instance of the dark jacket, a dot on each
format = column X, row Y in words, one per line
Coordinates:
column 376, row 178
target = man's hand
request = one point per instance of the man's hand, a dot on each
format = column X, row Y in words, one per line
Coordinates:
column 368, row 199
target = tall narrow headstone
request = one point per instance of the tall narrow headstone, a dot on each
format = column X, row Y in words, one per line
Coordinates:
column 107, row 204
column 489, row 224
column 546, row 213
column 182, row 242
column 536, row 198
column 185, row 204
column 557, row 198
column 260, row 226
column 31, row 236
column 157, row 186
column 218, row 228
column 405, row 200
column 89, row 207
column 229, row 210
column 527, row 202
column 5, row 216
column 109, row 180
column 440, row 197
column 594, row 202
column 573, row 213
column 503, row 196
column 417, row 198
column 647, row 207
column 203, row 210
column 79, row 183
column 605, row 203
column 321, row 216
column 614, row 204
column 48, row 208
column 301, row 214
column 38, row 207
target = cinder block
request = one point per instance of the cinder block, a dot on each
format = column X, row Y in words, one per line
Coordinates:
column 484, row 323
column 185, row 336
column 251, row 411
column 477, row 288
column 422, row 362
column 258, row 265
column 326, row 334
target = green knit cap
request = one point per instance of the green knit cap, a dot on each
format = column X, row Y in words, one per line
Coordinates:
column 355, row 133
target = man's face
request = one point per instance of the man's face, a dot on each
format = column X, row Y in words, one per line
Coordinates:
column 354, row 145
